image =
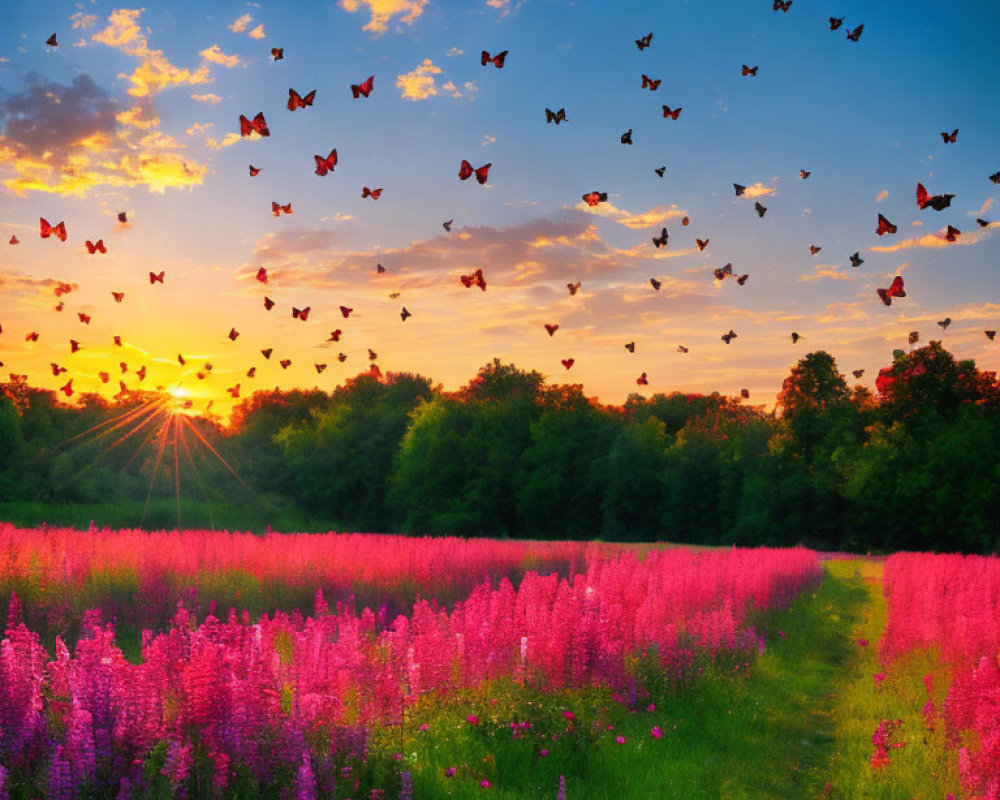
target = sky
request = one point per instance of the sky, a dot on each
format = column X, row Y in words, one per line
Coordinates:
column 136, row 110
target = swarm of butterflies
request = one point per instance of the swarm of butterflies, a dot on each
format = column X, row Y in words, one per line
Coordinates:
column 256, row 126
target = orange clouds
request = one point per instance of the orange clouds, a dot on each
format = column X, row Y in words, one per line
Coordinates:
column 758, row 190
column 382, row 11
column 645, row 219
column 420, row 83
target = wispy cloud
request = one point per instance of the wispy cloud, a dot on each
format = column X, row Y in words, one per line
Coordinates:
column 208, row 97
column 83, row 21
column 759, row 190
column 650, row 218
column 882, row 195
column 935, row 240
column 382, row 12
column 420, row 83
column 831, row 272
column 241, row 24
column 215, row 55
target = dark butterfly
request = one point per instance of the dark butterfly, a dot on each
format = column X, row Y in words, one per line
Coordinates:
column 982, row 223
column 952, row 233
column 804, row 174
column 626, row 138
column 782, row 6
column 285, row 363
column 96, row 247
column 813, row 249
column 267, row 353
column 404, row 314
column 447, row 224
column 156, row 277
column 277, row 53
column 325, row 165
column 630, row 347
column 749, row 70
column 702, row 243
column 728, row 337
column 672, row 113
column 466, row 171
column 374, row 194
column 252, row 372
column 644, row 42
column 660, row 170
column 739, row 188
column 278, row 209
column 123, row 217
column 46, row 230
column 949, row 138
column 551, row 328
column 233, row 334
column 721, row 272
column 884, row 226
column 363, row 89
column 681, row 348
column 742, row 279
column 497, row 60
column 857, row 260
column 84, row 318
column 180, row 360
column 319, row 367
column 262, row 274
column 568, row 362
column 858, row 373
column 379, row 269
column 642, row 380
column 301, row 313
column 761, row 210
column 13, row 240
column 938, row 202
column 944, row 323
column 118, row 341
column 256, row 125
column 661, row 240
column 32, row 337
column 67, row 389
column 335, row 335
column 56, row 369
column 372, row 355
column 836, row 22
column 557, row 117
column 52, row 41
column 855, row 34
column 795, row 337
column 995, row 177
column 295, row 100
column 593, row 198
column 649, row 83
column 346, row 311
column 268, row 304
column 341, row 357
column 119, row 296
column 914, row 337
column 254, row 171
column 574, row 287
column 894, row 290
column 234, row 391
column 991, row 335
column 74, row 345
column 745, row 394
column 655, row 284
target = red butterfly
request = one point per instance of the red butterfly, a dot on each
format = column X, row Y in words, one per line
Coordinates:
column 372, row 355
column 855, row 34
column 63, row 288
column 118, row 341
column 296, row 101
column 267, row 353
column 50, row 230
column 278, row 210
column 141, row 372
column 364, row 89
column 285, row 363
column 334, row 336
column 156, row 278
column 661, row 240
column 123, row 366
column 233, row 334
column 300, row 313
column 642, row 380
column 466, row 170
column 804, row 173
column 324, row 165
column 497, row 60
column 649, row 82
column 257, row 125
column 568, row 362
column 268, row 304
column 722, row 272
column 262, row 274
column 474, row 279
column 782, row 6
column 551, row 328
column 938, row 202
column 180, row 360
column 52, row 41
column 60, row 306
column 949, row 138
column 346, row 311
column 341, row 357
column 74, row 345
column 119, row 296
column 894, row 290
column 681, row 348
column 277, row 53
column 728, row 337
column 644, row 42
column 234, row 391
column 254, row 171
column 745, row 394
column 104, row 376
column 13, row 240
column 31, row 337
column 702, row 243
column 84, row 318
column 884, row 226
column 67, row 389
column 319, row 367
column 573, row 287
column 914, row 337
column 672, row 113
column 593, row 198
column 813, row 249
column 96, row 247
column 252, row 372
column 749, row 70
column 56, row 369
column 374, row 194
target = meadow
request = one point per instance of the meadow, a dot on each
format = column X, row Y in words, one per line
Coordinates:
column 217, row 664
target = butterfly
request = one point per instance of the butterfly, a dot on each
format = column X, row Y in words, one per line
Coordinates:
column 836, row 22
column 56, row 369
column 262, row 274
column 649, row 83
column 341, row 357
column 661, row 240
column 96, row 247
column 855, row 34
column 74, row 345
column 593, row 198
column 813, row 249
column 295, row 100
column 655, row 284
column 156, row 278
column 364, row 88
column 672, row 113
column 46, row 230
column 268, row 304
column 938, row 202
column 180, row 360
column 944, row 323
column 319, row 367
column 626, row 137
column 285, row 363
column 914, row 337
column 630, row 347
column 234, row 391
column 104, row 376
column 60, row 306
column 67, row 389
column 374, row 194
column 551, row 328
column 252, row 372
column 745, row 394
column 721, row 272
column 123, row 217
column 728, row 337
column 13, row 240
column 991, row 335
column 894, row 290
column 857, row 260
column 325, row 165
column 300, row 313
column 447, row 224
column 404, row 314
column 681, row 349
column 141, row 372
column 393, row 295
column 334, row 336
column 267, row 353
column 118, row 341
column 568, row 362
column 995, row 177
column 346, row 311
column 123, row 367
column 642, row 380
column 761, row 210
column 256, row 125
column 952, row 233
column 51, row 41
column 782, row 6
column 233, row 334
column 278, row 210
column 644, row 42
column 372, row 355
column 685, row 221
column 497, row 60
column 277, row 53
column 739, row 188
column 749, row 70
column 702, row 243
column 254, row 171
column 84, row 318
column 884, row 226
column 804, row 174
column 63, row 288
column 379, row 269
column 465, row 171
column 982, row 223
column 660, row 170
column 573, row 287
column 795, row 337
column 474, row 279
column 858, row 373
column 556, row 117
column 949, row 138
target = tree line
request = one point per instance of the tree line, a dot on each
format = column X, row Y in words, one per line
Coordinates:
column 915, row 466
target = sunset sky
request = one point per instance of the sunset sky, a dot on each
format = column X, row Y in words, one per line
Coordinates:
column 137, row 110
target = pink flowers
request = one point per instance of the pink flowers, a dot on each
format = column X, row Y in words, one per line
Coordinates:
column 656, row 732
column 449, row 772
column 620, row 739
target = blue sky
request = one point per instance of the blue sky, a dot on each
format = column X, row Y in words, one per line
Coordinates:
column 137, row 109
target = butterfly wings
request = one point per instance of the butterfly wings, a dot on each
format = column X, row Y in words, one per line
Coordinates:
column 46, row 230
column 894, row 290
column 295, row 100
column 325, row 165
column 466, row 171
column 256, row 125
column 496, row 60
column 364, row 88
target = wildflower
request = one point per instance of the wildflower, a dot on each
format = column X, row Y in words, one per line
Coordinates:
column 543, row 752
column 562, row 789
column 449, row 772
column 656, row 732
column 569, row 715
column 862, row 642
column 405, row 785
column 473, row 719
column 651, row 708
column 484, row 783
column 620, row 739
column 424, row 728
